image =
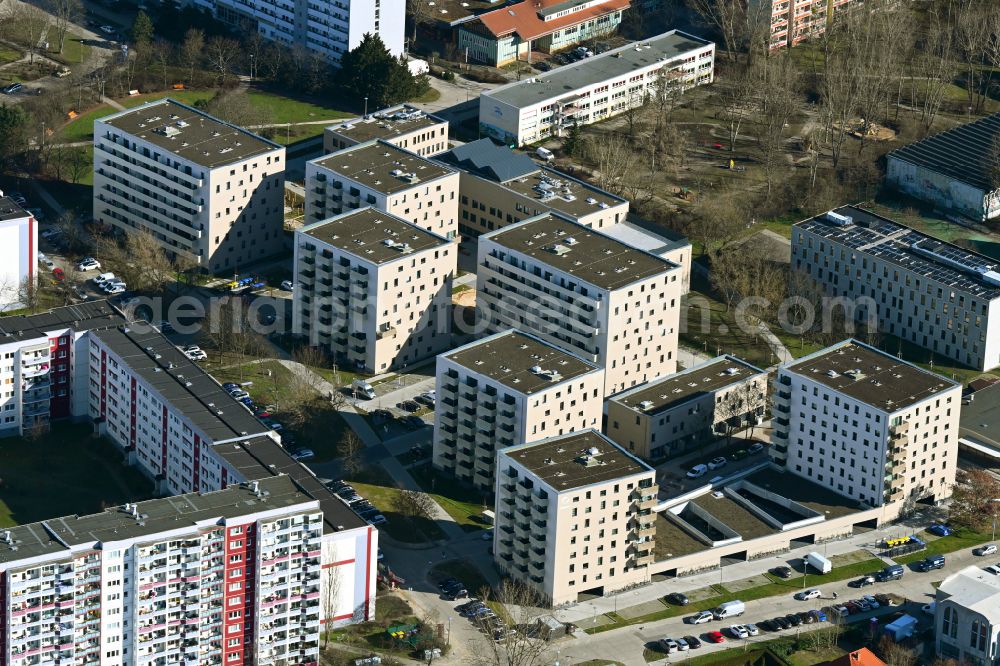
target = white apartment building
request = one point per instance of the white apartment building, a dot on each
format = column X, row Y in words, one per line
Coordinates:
column 393, row 180
column 18, row 249
column 211, row 193
column 595, row 88
column 670, row 415
column 504, row 390
column 499, row 187
column 226, row 577
column 405, row 126
column 328, row 29
column 918, row 288
column 967, row 617
column 373, row 289
column 867, row 425
column 574, row 514
column 43, row 365
column 607, row 302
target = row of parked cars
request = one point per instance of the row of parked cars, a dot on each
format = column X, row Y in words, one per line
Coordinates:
column 719, row 462
column 365, row 509
column 110, row 284
column 478, row 612
column 742, row 631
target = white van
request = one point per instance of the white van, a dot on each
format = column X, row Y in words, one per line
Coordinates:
column 729, row 609
column 363, row 389
column 544, row 154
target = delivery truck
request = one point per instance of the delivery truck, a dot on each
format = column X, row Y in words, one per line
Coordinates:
column 817, row 563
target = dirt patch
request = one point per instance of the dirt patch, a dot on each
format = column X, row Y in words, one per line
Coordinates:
column 466, row 299
column 874, row 132
column 747, row 583
column 850, row 558
column 646, row 608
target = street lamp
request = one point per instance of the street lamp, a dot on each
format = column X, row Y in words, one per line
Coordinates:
column 994, row 500
column 366, row 107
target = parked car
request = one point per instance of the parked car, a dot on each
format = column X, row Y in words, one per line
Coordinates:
column 12, row 88
column 806, row 595
column 864, row 581
column 239, row 394
column 930, row 563
column 81, row 294
column 739, row 455
column 428, row 398
column 715, row 637
column 697, row 471
column 692, row 642
column 58, row 274
column 819, row 615
column 738, row 631
column 793, row 619
column 701, row 617
column 460, row 593
column 409, row 406
column 231, row 386
column 782, row 572
column 939, row 530
column 781, row 623
column 806, row 617
column 287, row 285
column 543, row 66
column 755, row 448
column 88, row 264
column 380, row 416
column 752, row 629
column 378, row 520
column 303, row 454
column 717, row 463
column 668, row 645
column 678, row 599
column 871, row 601
column 114, row 289
column 987, row 549
column 108, row 29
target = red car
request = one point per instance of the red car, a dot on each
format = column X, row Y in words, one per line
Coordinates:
column 58, row 274
column 715, row 637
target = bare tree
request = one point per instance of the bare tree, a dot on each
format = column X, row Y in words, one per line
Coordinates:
column 779, row 100
column 413, row 504
column 65, row 12
column 331, row 579
column 27, row 23
column 613, row 159
column 934, row 66
column 28, row 294
column 895, row 654
column 349, row 449
column 222, row 53
column 738, row 92
column 192, row 51
column 517, row 643
column 716, row 220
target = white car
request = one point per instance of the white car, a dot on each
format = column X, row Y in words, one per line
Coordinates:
column 739, row 631
column 103, row 277
column 669, row 645
column 48, row 263
column 114, row 289
column 988, row 549
column 682, row 645
column 88, row 264
column 304, row 454
column 81, row 294
column 752, row 629
column 717, row 463
column 107, row 29
column 702, row 617
column 806, row 595
column 239, row 395
column 197, row 355
column 697, row 471
column 287, row 285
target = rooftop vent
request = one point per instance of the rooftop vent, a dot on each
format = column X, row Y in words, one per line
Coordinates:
column 838, row 219
column 645, row 404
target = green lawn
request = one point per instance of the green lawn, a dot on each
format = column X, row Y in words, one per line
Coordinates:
column 81, row 128
column 776, row 587
column 959, row 540
column 280, row 109
column 927, row 359
column 188, row 97
column 711, row 328
column 65, row 472
column 74, row 50
column 8, row 54
column 293, row 134
column 402, row 528
column 464, row 504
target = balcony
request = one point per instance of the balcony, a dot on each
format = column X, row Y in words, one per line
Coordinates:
column 388, row 332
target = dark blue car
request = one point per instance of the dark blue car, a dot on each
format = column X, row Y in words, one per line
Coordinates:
column 939, row 530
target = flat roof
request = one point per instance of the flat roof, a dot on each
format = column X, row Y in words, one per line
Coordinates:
column 973, row 589
column 533, row 19
column 646, row 236
column 822, row 500
column 262, row 457
column 92, row 315
column 181, row 382
column 870, row 376
column 564, row 81
column 735, row 515
column 581, row 252
column 382, row 167
column 935, row 259
column 155, row 516
column 980, row 418
column 364, row 232
column 191, row 134
column 566, row 462
column 671, row 541
column 520, row 361
column 665, row 393
column 9, row 210
column 386, row 124
column 964, row 153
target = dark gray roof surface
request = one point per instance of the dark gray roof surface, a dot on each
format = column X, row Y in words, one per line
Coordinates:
column 562, row 462
column 487, row 159
column 965, row 153
column 81, row 317
column 363, row 233
column 870, row 376
column 981, row 417
column 181, row 382
column 508, row 358
column 668, row 392
column 10, row 210
column 158, row 515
